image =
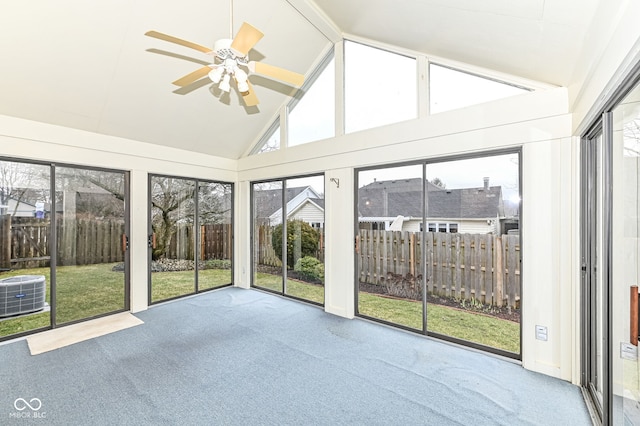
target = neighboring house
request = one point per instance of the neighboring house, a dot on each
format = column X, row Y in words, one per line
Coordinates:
column 17, row 208
column 303, row 203
column 396, row 205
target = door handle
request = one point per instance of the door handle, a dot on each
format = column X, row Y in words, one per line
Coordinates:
column 151, row 241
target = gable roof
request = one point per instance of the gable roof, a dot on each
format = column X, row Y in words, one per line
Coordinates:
column 268, row 203
column 404, row 197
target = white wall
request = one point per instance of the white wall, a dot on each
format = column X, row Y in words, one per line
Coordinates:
column 540, row 124
column 23, row 139
column 610, row 50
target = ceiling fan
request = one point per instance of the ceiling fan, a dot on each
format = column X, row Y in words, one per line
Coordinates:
column 231, row 59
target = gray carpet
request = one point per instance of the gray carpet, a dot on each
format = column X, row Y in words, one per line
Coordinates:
column 243, row 357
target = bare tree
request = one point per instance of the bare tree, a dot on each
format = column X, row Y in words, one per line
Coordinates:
column 22, row 183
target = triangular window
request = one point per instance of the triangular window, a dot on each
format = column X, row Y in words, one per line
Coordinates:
column 312, row 113
column 452, row 89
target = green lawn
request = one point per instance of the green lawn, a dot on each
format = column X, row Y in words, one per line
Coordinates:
column 82, row 292
column 466, row 325
column 166, row 285
column 295, row 288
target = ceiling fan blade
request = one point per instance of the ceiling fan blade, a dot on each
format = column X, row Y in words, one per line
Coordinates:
column 246, row 38
column 250, row 99
column 278, row 73
column 179, row 41
column 193, row 76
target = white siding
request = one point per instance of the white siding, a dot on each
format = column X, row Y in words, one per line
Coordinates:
column 23, row 210
column 310, row 213
column 479, row 226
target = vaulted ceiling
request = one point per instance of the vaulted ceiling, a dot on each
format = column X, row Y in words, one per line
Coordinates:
column 87, row 64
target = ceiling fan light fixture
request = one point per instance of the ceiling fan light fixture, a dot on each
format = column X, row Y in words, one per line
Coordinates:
column 241, row 80
column 224, row 84
column 216, row 74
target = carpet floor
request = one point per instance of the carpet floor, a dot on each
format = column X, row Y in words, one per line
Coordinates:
column 244, row 357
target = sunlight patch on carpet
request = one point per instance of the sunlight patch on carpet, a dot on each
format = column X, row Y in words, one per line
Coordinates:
column 65, row 336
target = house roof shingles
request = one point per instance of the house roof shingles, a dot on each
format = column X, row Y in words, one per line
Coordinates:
column 404, row 197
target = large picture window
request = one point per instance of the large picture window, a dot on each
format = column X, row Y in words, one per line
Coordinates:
column 459, row 277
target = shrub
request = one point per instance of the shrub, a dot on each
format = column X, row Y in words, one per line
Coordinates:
column 310, row 268
column 217, row 264
column 299, row 235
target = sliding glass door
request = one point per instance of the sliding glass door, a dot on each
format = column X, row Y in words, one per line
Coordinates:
column 610, row 249
column 190, row 225
column 593, row 268
column 266, row 200
column 288, row 254
column 91, row 243
column 625, row 260
column 63, row 245
column 438, row 249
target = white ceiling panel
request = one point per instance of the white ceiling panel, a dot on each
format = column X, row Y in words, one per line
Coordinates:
column 87, row 64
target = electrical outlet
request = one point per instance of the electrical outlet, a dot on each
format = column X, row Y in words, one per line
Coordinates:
column 542, row 333
column 628, row 351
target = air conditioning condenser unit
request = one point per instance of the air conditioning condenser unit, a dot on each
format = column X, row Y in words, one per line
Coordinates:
column 22, row 294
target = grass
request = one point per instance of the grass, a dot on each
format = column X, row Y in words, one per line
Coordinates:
column 465, row 325
column 82, row 292
column 166, row 285
column 295, row 288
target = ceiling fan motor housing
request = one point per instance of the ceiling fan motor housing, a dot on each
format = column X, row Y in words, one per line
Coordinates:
column 223, row 50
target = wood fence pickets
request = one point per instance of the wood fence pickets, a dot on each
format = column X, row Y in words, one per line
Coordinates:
column 5, row 239
column 488, row 268
column 450, row 261
column 429, row 248
column 457, row 268
column 375, row 259
column 385, row 258
column 513, row 262
column 113, row 233
column 465, row 266
column 499, row 276
column 92, row 242
column 437, row 261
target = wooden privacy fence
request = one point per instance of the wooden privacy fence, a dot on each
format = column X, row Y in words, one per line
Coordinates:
column 266, row 255
column 25, row 242
column 216, row 242
column 483, row 267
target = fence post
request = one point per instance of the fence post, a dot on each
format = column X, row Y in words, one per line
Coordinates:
column 412, row 254
column 5, row 241
column 499, row 272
